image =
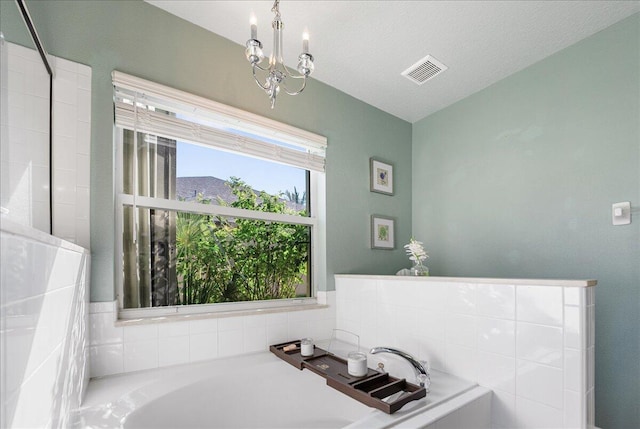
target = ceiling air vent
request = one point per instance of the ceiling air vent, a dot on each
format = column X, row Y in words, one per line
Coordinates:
column 425, row 69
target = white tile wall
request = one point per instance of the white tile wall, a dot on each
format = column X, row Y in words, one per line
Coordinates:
column 71, row 148
column 540, row 343
column 532, row 345
column 118, row 349
column 25, row 143
column 44, row 291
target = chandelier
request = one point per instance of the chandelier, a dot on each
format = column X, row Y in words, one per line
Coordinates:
column 277, row 74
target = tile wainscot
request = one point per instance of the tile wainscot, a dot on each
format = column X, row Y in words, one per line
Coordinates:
column 530, row 341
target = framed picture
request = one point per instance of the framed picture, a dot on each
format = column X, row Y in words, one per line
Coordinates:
column 382, row 232
column 381, row 176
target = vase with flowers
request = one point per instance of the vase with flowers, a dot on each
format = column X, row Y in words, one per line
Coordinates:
column 417, row 254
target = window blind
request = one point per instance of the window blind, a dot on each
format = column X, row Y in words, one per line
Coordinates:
column 178, row 115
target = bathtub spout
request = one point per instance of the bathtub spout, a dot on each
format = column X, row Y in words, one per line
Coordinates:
column 420, row 367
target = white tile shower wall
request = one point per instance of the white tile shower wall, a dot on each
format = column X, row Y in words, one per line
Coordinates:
column 117, row 349
column 532, row 345
column 44, row 301
column 25, row 143
column 71, row 148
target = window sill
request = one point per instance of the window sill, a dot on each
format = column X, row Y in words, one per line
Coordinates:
column 136, row 317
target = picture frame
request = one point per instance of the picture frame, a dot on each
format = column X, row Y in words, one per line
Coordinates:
column 381, row 176
column 383, row 232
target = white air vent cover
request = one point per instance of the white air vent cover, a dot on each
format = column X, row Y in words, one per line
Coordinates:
column 425, row 69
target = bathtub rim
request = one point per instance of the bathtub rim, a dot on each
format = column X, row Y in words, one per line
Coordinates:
column 124, row 394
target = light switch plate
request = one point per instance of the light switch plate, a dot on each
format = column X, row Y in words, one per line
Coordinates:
column 623, row 212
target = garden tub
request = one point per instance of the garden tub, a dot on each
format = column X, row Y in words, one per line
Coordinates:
column 252, row 391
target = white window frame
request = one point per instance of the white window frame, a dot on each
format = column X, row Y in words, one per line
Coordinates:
column 236, row 119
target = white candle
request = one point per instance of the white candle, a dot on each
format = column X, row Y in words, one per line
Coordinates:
column 306, row 347
column 254, row 27
column 305, row 43
column 357, row 364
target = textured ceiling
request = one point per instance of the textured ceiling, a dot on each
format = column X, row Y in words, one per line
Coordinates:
column 361, row 47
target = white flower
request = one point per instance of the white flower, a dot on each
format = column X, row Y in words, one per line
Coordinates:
column 415, row 251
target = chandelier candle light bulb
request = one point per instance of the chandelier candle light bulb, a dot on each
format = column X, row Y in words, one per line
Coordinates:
column 254, row 27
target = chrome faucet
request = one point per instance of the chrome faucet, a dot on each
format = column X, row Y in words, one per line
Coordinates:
column 420, row 367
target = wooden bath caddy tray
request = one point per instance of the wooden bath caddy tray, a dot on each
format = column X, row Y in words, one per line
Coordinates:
column 369, row 389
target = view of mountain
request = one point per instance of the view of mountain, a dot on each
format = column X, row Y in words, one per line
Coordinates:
column 188, row 188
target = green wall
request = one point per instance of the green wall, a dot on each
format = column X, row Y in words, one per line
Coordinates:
column 517, row 180
column 12, row 25
column 137, row 38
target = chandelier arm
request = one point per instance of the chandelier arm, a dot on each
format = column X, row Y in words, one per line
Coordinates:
column 253, row 69
column 298, row 76
column 294, row 76
column 304, row 85
column 256, row 65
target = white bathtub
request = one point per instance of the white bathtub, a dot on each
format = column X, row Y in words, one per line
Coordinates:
column 254, row 391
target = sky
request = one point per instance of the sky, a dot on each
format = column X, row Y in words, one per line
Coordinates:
column 194, row 161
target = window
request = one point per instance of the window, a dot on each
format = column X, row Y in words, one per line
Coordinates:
column 215, row 205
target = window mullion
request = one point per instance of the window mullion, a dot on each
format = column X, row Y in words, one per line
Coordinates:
column 183, row 206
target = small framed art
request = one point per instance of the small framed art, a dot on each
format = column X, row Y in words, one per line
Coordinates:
column 382, row 232
column 381, row 176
